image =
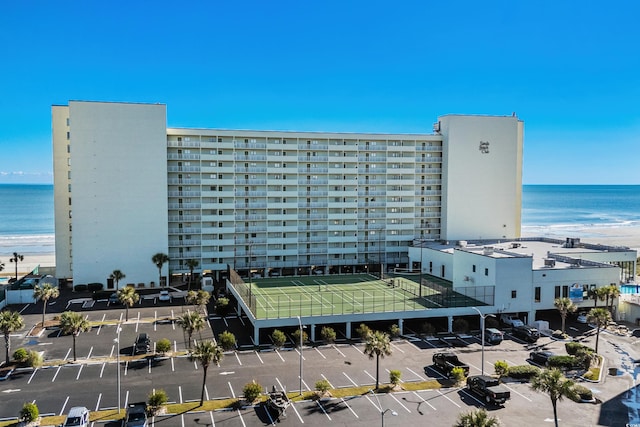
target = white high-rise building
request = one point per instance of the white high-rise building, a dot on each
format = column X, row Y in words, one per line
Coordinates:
column 127, row 187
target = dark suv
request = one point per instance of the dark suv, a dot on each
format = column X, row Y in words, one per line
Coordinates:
column 541, row 357
column 143, row 344
column 526, row 333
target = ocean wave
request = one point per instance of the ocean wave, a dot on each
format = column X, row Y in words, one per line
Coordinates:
column 30, row 244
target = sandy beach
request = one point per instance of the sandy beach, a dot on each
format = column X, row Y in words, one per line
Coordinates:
column 27, row 265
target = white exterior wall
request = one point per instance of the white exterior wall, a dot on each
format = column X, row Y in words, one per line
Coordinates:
column 483, row 189
column 61, row 189
column 119, row 190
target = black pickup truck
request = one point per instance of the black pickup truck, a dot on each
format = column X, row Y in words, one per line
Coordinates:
column 489, row 388
column 446, row 361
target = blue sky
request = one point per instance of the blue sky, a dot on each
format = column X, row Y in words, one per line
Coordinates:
column 570, row 70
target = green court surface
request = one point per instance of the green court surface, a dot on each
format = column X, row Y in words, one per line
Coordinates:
column 327, row 295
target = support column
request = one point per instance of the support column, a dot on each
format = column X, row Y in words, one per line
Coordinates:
column 449, row 324
column 256, row 335
column 401, row 326
column 238, row 308
column 348, row 330
column 313, row 333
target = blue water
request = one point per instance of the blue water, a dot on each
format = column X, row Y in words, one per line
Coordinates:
column 554, row 210
column 26, row 219
column 27, row 223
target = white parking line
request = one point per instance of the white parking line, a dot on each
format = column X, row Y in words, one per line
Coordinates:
column 195, row 364
column 400, row 403
column 338, row 350
column 121, row 314
column 372, row 377
column 241, row 321
column 25, row 307
column 126, row 367
column 266, row 410
column 173, row 366
column 397, row 348
column 113, row 347
column 296, row 411
column 352, row 381
column 424, row 401
column 238, row 357
column 90, row 351
column 416, row 374
column 98, row 403
column 155, row 320
column 280, row 356
column 102, row 370
column 352, row 411
column 206, row 392
column 149, row 365
column 320, row 353
column 63, row 405
column 373, row 403
column 79, row 371
column 232, row 392
column 56, row 374
column 213, row 423
column 359, row 351
column 447, row 397
column 321, row 407
column 67, row 355
column 519, row 394
column 126, row 399
column 180, row 393
column 259, row 358
column 31, row 377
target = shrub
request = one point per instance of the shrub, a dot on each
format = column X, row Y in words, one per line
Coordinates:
column 523, row 371
column 460, row 325
column 80, row 288
column 328, row 334
column 501, row 367
column 94, row 287
column 296, row 336
column 363, row 330
column 394, row 331
column 29, row 412
column 163, row 345
column 394, row 376
column 427, row 329
column 572, row 347
column 559, row 334
column 157, row 399
column 457, row 374
column 323, row 386
column 582, row 393
column 222, row 306
column 227, row 340
column 34, row 359
column 20, row 355
column 563, row 362
column 251, row 391
column 278, row 338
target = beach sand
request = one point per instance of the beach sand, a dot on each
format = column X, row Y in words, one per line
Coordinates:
column 27, row 265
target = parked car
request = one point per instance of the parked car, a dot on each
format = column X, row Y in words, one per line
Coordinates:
column 136, row 415
column 78, row 417
column 446, row 361
column 164, row 295
column 489, row 388
column 142, row 344
column 511, row 320
column 582, row 317
column 635, row 333
column 113, row 299
column 541, row 357
column 493, row 336
column 526, row 333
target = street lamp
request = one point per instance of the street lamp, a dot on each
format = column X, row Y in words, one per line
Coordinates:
column 300, row 324
column 383, row 412
column 482, row 317
column 117, row 342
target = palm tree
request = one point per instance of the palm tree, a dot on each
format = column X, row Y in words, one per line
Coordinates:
column 1, row 265
column 73, row 323
column 377, row 344
column 10, row 321
column 599, row 317
column 613, row 292
column 192, row 264
column 117, row 275
column 564, row 306
column 199, row 298
column 477, row 418
column 597, row 294
column 159, row 260
column 128, row 297
column 44, row 294
column 16, row 258
column 554, row 383
column 191, row 322
column 206, row 352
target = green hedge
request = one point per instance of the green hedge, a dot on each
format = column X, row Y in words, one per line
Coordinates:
column 94, row 287
column 523, row 371
column 573, row 348
column 583, row 393
column 80, row 288
column 564, row 362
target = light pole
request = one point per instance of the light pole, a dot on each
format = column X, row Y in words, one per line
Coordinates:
column 482, row 317
column 300, row 324
column 117, row 341
column 383, row 412
column 250, row 276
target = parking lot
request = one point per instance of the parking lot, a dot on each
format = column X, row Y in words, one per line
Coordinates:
column 92, row 381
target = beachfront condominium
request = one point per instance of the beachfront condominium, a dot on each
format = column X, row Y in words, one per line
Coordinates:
column 271, row 202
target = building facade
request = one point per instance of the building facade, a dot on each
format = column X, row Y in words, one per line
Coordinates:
column 271, row 202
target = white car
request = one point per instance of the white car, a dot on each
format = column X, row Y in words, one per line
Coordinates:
column 511, row 320
column 582, row 317
column 164, row 296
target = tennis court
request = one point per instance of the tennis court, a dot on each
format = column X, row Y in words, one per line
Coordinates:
column 327, row 295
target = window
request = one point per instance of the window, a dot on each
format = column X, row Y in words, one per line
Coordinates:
column 473, row 269
column 565, row 291
column 513, row 294
column 536, row 294
column 486, row 271
column 557, row 292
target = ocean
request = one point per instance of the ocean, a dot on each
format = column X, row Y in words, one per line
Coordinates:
column 27, row 224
